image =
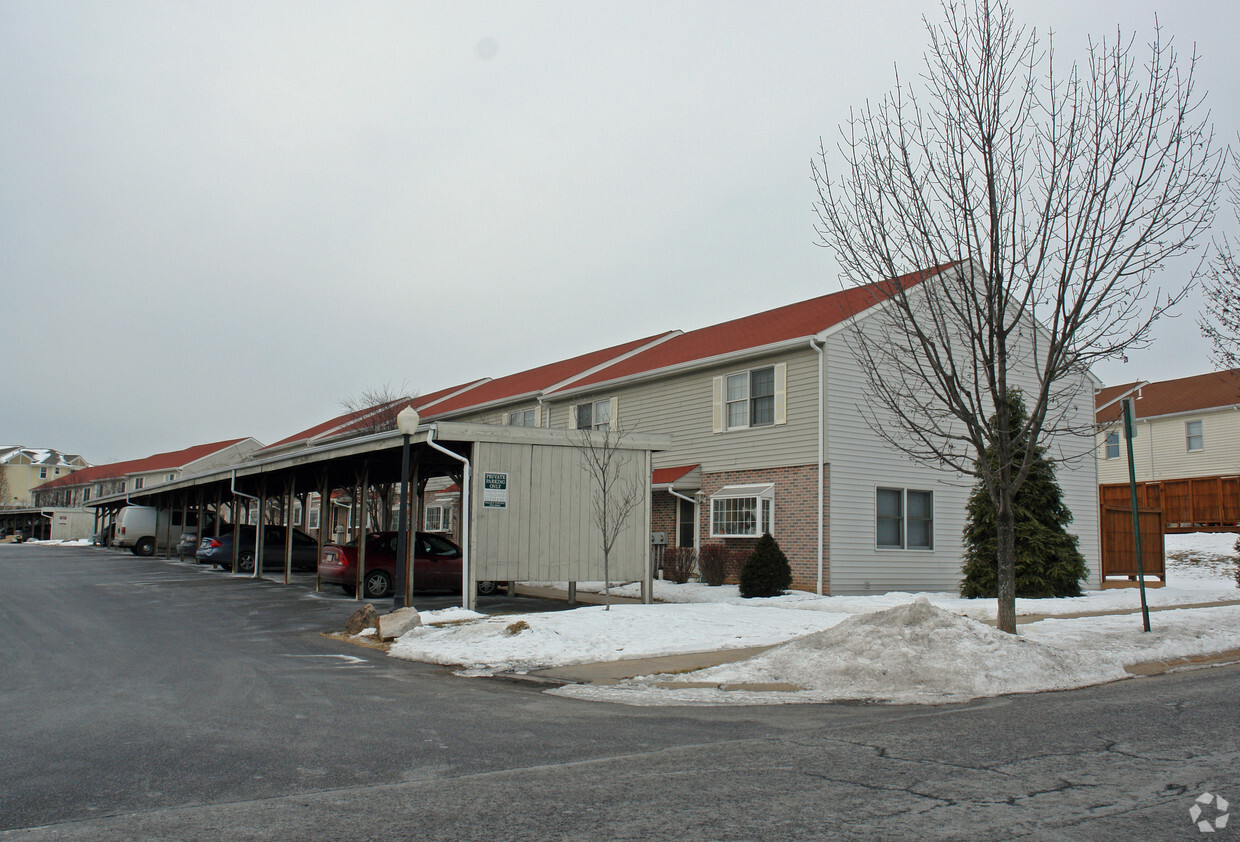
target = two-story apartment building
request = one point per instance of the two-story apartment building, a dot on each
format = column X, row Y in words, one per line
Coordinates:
column 765, row 418
column 764, row 415
column 24, row 468
column 80, row 487
column 1187, row 427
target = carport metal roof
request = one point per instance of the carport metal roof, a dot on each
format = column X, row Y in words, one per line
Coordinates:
column 341, row 462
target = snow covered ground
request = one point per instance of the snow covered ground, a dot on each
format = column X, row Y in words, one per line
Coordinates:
column 906, row 648
column 897, row 647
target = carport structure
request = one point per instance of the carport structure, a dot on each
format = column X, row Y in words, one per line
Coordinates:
column 527, row 501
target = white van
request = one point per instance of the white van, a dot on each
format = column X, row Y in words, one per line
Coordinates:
column 144, row 531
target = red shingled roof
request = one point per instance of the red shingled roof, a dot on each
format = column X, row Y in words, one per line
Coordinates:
column 793, row 321
column 536, row 379
column 158, row 462
column 666, row 476
column 1167, row 397
column 351, row 421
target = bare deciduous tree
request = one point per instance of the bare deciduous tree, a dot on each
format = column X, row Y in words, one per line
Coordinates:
column 1221, row 324
column 613, row 495
column 376, row 409
column 1056, row 194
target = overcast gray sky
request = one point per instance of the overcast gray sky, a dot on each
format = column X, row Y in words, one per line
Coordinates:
column 218, row 219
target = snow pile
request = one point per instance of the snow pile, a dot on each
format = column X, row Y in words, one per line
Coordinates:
column 587, row 635
column 914, row 653
column 449, row 615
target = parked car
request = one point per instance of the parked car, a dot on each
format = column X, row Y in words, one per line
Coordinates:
column 219, row 550
column 141, row 529
column 436, row 565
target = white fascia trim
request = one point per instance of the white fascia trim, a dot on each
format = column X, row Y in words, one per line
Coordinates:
column 1145, row 419
column 479, row 407
column 847, row 323
column 690, row 365
column 186, row 466
column 1140, row 384
column 475, row 384
column 565, row 383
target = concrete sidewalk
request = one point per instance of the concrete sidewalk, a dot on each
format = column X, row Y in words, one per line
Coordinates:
column 613, row 672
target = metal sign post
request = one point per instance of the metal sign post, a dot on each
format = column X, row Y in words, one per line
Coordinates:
column 1136, row 522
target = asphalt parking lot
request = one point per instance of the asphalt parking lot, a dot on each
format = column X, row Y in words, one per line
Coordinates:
column 147, row 699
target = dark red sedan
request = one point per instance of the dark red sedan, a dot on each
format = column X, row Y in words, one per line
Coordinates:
column 436, row 565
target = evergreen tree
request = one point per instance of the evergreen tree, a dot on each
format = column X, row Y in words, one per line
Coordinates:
column 1048, row 563
column 766, row 572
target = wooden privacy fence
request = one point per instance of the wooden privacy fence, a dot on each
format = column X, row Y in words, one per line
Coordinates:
column 1119, row 553
column 1201, row 504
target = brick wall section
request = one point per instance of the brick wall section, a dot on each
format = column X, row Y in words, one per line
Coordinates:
column 795, row 517
column 663, row 514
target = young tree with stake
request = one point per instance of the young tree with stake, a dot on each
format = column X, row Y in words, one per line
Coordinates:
column 614, row 496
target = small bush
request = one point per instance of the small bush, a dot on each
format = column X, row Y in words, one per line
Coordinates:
column 716, row 563
column 678, row 564
column 767, row 572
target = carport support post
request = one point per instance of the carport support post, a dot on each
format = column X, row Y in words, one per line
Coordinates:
column 167, row 526
column 259, row 538
column 648, row 578
column 1136, row 521
column 201, row 522
column 184, row 523
column 324, row 509
column 360, row 502
column 288, row 530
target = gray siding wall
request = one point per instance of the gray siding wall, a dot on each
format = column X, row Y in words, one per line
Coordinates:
column 861, row 462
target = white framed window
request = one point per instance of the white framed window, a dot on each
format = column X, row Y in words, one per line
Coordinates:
column 904, row 519
column 43, row 473
column 750, row 398
column 522, row 418
column 138, row 482
column 296, row 513
column 170, row 477
column 1112, row 446
column 1194, row 436
column 756, row 397
column 742, row 511
column 312, row 516
column 595, row 415
column 437, row 519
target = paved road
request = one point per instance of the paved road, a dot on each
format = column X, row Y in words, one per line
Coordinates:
column 146, row 699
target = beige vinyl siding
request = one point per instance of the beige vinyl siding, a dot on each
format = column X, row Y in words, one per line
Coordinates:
column 1160, row 449
column 547, row 532
column 683, row 406
column 861, row 462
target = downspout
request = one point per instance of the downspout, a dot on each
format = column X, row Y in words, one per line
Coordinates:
column 237, row 529
column 467, row 504
column 821, row 347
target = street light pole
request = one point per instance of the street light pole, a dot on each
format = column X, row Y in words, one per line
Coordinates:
column 407, row 423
